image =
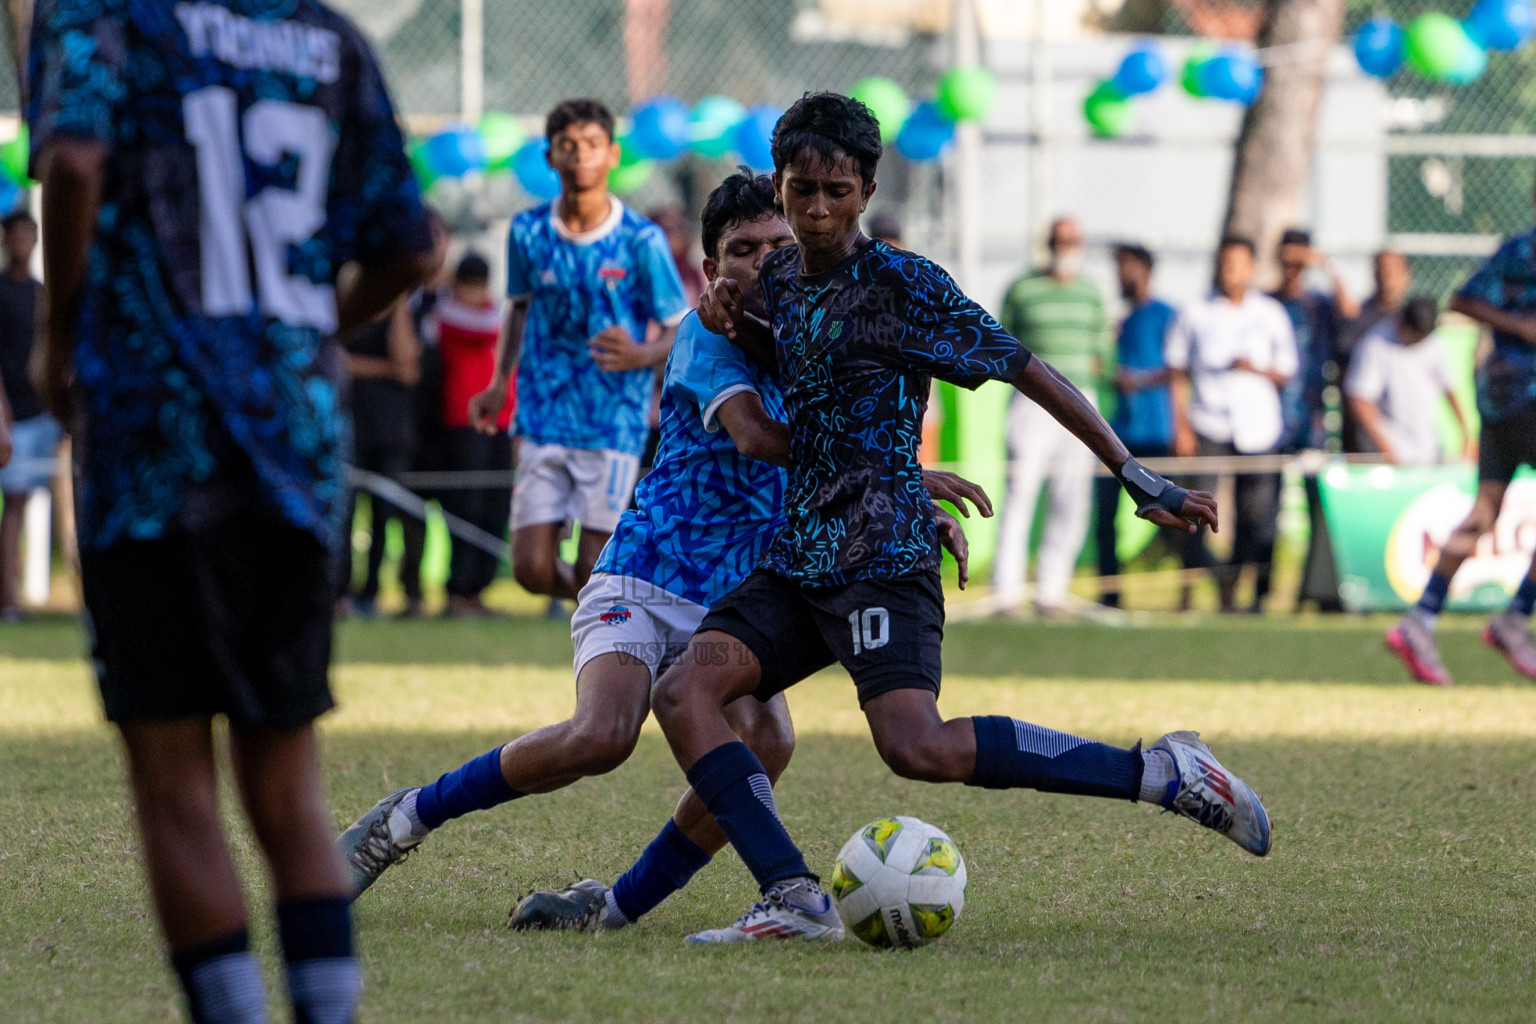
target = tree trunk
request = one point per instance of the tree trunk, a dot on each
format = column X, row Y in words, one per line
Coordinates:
column 1274, row 151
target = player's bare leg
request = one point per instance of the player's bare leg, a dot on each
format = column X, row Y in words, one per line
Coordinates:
column 1413, row 637
column 191, row 877
column 536, row 563
column 1178, row 772
column 688, row 841
column 612, row 702
column 690, row 702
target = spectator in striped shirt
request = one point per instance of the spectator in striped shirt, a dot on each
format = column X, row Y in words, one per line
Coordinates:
column 1060, row 318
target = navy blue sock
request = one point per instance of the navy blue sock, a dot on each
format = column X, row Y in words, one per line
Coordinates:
column 323, row 975
column 733, row 785
column 222, row 981
column 1525, row 598
column 1011, row 754
column 664, row 867
column 473, row 786
column 1435, row 590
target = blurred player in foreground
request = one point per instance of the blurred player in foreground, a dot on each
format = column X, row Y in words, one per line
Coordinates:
column 858, row 329
column 206, row 170
column 704, row 516
column 1501, row 295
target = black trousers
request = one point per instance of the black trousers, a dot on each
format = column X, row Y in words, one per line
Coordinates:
column 1255, row 521
column 386, row 461
column 471, row 570
column 1106, row 494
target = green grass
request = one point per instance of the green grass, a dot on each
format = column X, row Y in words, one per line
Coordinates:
column 1399, row 887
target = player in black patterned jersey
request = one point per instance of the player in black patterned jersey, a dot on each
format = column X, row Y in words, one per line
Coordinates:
column 858, row 329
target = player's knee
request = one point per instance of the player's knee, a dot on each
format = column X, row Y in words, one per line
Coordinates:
column 921, row 758
column 602, row 747
column 534, row 576
column 773, row 741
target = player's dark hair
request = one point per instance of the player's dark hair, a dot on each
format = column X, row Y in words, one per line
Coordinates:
column 1227, row 241
column 1296, row 236
column 578, row 111
column 834, row 127
column 1137, row 252
column 742, row 197
column 15, row 217
column 1421, row 314
column 473, row 268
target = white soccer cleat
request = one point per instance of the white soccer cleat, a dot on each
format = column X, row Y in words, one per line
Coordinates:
column 379, row 839
column 1209, row 794
column 1510, row 635
column 796, row 909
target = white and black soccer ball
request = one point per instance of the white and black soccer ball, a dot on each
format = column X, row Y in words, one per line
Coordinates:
column 899, row 882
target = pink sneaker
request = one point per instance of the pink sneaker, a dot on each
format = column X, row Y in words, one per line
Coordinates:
column 1415, row 644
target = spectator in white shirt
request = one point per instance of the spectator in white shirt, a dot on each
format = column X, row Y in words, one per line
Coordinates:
column 1229, row 355
column 1396, row 380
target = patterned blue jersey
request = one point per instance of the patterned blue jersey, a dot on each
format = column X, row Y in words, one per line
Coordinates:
column 1506, row 383
column 705, row 513
column 858, row 345
column 619, row 275
column 252, row 150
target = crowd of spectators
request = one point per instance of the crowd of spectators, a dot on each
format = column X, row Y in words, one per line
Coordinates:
column 1237, row 372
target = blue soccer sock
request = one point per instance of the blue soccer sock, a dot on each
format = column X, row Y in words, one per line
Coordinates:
column 1011, row 754
column 1433, row 598
column 1525, row 598
column 323, row 974
column 475, row 785
column 222, row 981
column 733, row 785
column 665, row 867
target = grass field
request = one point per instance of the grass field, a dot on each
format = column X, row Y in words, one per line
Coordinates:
column 1400, row 886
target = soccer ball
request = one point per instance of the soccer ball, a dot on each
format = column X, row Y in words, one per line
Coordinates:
column 899, row 882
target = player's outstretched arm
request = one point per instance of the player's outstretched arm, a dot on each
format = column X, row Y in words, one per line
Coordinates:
column 1157, row 500
column 1519, row 325
column 487, row 405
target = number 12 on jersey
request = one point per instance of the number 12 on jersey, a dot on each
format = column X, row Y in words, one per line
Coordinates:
column 243, row 238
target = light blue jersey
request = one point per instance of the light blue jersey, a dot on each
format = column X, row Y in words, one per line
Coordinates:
column 619, row 274
column 706, row 512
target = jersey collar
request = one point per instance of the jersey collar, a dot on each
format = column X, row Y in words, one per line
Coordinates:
column 603, row 230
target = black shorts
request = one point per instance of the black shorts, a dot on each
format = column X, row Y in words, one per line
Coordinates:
column 886, row 633
column 1506, row 444
column 233, row 618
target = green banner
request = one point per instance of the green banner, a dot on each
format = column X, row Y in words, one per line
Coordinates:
column 1386, row 526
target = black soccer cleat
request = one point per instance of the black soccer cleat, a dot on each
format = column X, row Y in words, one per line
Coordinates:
column 578, row 907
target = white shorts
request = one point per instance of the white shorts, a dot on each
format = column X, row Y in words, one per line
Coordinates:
column 622, row 614
column 556, row 484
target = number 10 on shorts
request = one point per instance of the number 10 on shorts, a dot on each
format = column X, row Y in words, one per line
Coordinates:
column 871, row 629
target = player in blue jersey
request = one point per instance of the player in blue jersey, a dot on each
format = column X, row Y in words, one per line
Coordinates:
column 1502, row 296
column 705, row 515
column 207, row 169
column 858, row 328
column 586, row 278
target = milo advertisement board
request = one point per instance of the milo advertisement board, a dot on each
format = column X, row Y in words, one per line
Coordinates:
column 1386, row 525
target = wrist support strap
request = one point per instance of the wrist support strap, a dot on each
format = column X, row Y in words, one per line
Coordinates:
column 1149, row 490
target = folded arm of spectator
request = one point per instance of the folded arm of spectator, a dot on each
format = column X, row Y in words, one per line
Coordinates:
column 1184, row 443
column 5, row 427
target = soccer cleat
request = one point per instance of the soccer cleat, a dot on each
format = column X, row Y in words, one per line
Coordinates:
column 796, row 909
column 1414, row 642
column 1510, row 635
column 378, row 839
column 1209, row 794
column 578, row 908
